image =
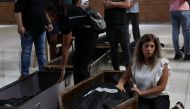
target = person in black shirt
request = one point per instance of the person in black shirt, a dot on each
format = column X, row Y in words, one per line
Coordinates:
column 31, row 19
column 115, row 17
column 73, row 21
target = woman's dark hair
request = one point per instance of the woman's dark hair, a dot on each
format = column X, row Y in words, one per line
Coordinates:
column 56, row 8
column 138, row 57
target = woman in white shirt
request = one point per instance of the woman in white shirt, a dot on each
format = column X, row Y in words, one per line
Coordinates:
column 150, row 72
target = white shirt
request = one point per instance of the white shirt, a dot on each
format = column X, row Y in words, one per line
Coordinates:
column 147, row 78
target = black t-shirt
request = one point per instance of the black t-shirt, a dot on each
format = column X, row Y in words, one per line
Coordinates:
column 33, row 14
column 115, row 15
column 73, row 19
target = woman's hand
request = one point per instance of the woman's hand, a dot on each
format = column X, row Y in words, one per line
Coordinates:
column 107, row 4
column 135, row 89
column 49, row 27
column 121, row 87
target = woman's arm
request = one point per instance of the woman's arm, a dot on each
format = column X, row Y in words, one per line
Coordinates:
column 124, row 79
column 161, row 85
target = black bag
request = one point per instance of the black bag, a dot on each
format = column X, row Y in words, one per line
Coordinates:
column 100, row 96
column 96, row 19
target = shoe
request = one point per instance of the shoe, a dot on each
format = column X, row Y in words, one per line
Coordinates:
column 178, row 105
column 186, row 57
column 22, row 77
column 178, row 56
column 182, row 49
column 162, row 45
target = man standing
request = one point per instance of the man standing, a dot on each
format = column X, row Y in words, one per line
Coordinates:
column 117, row 31
column 133, row 17
column 31, row 20
column 179, row 11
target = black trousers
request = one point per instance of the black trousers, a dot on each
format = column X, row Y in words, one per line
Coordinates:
column 85, row 45
column 117, row 34
column 134, row 19
column 161, row 102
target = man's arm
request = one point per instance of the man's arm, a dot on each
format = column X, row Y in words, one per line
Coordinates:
column 49, row 25
column 65, row 52
column 18, row 18
column 120, row 4
column 66, row 46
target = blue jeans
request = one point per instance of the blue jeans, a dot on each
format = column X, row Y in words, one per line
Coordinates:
column 181, row 18
column 26, row 44
column 118, row 34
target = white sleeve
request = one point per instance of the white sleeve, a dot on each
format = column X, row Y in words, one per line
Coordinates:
column 161, row 63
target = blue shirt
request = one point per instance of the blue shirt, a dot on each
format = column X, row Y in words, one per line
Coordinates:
column 134, row 9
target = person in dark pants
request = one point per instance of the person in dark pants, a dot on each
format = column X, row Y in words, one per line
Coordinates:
column 31, row 19
column 85, row 43
column 133, row 17
column 117, row 31
column 73, row 21
column 149, row 73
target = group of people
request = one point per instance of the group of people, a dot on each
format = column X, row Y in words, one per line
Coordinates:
column 147, row 69
column 55, row 18
column 34, row 16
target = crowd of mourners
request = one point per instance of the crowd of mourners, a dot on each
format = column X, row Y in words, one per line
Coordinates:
column 60, row 22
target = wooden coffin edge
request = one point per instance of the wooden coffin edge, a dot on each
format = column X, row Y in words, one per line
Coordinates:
column 69, row 66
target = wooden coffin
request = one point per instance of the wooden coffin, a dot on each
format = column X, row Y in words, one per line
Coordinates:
column 107, row 76
column 101, row 61
column 37, row 91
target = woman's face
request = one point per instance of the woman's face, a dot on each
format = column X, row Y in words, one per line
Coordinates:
column 148, row 49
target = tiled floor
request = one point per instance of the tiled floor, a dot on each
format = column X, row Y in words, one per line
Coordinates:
column 179, row 79
column 10, row 54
